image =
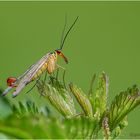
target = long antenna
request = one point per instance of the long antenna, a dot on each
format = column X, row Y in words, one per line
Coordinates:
column 64, row 39
column 62, row 36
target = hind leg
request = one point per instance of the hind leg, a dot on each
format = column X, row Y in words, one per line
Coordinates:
column 33, row 85
column 45, row 76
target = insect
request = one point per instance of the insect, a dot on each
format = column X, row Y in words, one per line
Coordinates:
column 47, row 63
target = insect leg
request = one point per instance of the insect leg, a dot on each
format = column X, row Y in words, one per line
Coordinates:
column 64, row 78
column 58, row 66
column 31, row 88
column 45, row 76
column 33, row 85
column 57, row 74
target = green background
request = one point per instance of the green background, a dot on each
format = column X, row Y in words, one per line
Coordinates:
column 105, row 38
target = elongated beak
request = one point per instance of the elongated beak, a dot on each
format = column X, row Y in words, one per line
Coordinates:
column 63, row 56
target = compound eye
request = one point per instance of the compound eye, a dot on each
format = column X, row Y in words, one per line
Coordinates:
column 58, row 52
column 11, row 81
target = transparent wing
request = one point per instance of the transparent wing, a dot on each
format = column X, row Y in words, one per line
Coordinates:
column 29, row 74
column 21, row 76
column 6, row 91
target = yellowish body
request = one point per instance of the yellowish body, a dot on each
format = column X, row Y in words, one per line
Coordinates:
column 50, row 66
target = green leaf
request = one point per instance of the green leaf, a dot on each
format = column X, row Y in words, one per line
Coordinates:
column 16, row 111
column 118, row 130
column 22, row 108
column 61, row 100
column 122, row 104
column 100, row 99
column 31, row 108
column 32, row 127
column 14, row 132
column 25, row 108
column 82, row 99
column 80, row 128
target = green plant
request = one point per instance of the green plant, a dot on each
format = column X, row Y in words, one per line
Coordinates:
column 95, row 115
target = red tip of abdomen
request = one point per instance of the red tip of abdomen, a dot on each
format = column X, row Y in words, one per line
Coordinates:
column 11, row 81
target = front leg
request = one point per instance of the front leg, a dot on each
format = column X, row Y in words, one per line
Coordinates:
column 57, row 67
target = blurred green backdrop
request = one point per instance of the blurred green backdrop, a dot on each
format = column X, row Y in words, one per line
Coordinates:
column 105, row 38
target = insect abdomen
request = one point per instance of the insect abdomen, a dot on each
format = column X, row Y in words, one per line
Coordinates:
column 40, row 71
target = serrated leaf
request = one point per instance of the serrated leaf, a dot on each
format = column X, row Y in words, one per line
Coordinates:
column 29, row 107
column 80, row 128
column 122, row 104
column 16, row 110
column 22, row 108
column 118, row 130
column 25, row 108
